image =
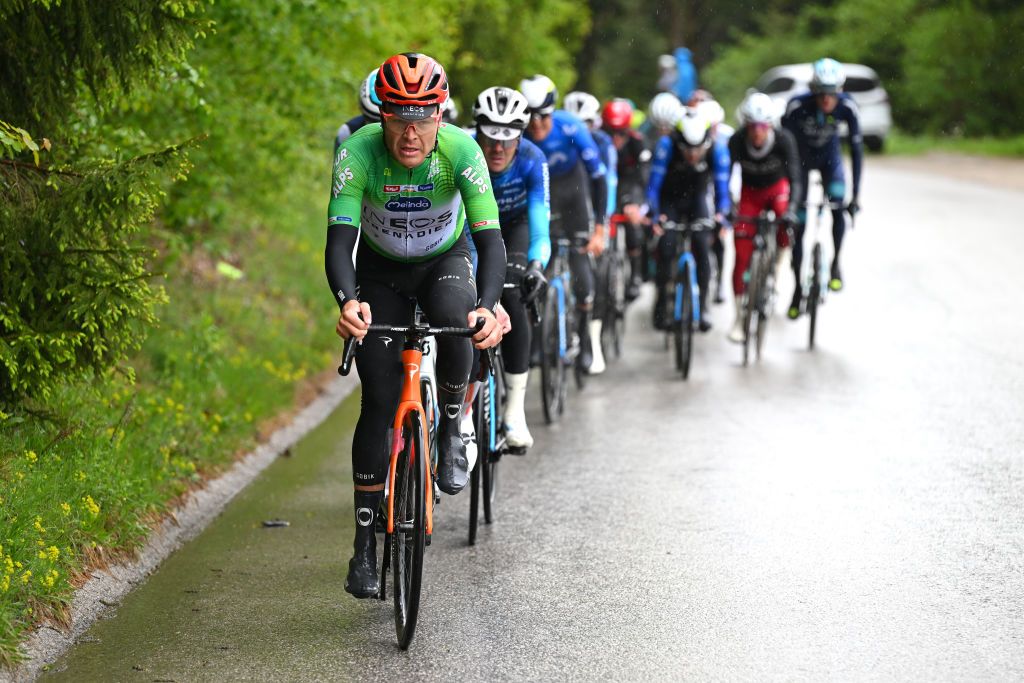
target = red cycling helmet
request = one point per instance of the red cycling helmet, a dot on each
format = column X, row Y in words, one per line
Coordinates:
column 617, row 114
column 412, row 78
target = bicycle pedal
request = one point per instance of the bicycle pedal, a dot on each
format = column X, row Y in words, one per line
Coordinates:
column 516, row 450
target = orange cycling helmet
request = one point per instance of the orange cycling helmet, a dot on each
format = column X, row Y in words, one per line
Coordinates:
column 412, row 78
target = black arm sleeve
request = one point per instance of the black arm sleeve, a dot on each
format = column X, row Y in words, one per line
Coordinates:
column 341, row 272
column 491, row 264
column 599, row 198
column 792, row 155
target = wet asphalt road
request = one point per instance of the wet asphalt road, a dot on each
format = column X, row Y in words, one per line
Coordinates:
column 855, row 513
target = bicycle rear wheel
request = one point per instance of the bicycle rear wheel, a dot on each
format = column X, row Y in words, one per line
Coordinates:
column 683, row 326
column 814, row 296
column 765, row 291
column 614, row 326
column 750, row 306
column 552, row 369
column 408, row 539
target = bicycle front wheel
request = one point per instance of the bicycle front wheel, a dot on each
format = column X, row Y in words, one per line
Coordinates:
column 552, row 369
column 765, row 292
column 487, row 459
column 683, row 325
column 615, row 312
column 814, row 295
column 750, row 306
column 409, row 536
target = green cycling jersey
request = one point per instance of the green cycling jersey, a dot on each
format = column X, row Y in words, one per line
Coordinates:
column 411, row 214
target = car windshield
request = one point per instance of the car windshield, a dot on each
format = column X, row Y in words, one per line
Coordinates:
column 860, row 84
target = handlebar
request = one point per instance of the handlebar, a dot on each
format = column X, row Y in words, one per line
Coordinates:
column 695, row 226
column 414, row 330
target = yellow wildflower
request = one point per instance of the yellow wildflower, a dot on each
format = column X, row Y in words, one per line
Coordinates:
column 50, row 578
column 31, row 457
column 91, row 505
column 80, row 475
column 53, row 552
column 27, row 576
column 39, row 525
column 65, row 508
column 5, row 583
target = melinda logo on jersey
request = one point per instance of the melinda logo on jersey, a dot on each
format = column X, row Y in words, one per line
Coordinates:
column 408, row 204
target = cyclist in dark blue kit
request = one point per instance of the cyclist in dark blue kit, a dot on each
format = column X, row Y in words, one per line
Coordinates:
column 519, row 179
column 579, row 193
column 814, row 121
column 587, row 109
column 369, row 105
column 685, row 164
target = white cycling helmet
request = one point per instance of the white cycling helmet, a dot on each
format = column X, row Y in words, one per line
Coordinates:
column 665, row 110
column 449, row 111
column 540, row 93
column 828, row 77
column 756, row 108
column 501, row 113
column 369, row 103
column 694, row 128
column 712, row 111
column 584, row 106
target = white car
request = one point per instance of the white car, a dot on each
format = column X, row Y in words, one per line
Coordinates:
column 862, row 83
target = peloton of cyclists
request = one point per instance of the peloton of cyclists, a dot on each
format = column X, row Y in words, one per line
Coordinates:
column 814, row 120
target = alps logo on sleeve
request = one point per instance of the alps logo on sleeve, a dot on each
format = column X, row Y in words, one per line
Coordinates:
column 476, row 178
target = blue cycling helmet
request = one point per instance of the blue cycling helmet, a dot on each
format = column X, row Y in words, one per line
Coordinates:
column 828, row 76
column 369, row 103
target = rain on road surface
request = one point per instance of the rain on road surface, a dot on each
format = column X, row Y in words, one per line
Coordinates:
column 852, row 513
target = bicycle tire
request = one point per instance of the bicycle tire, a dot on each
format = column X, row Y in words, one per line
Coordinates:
column 487, row 458
column 750, row 305
column 614, row 318
column 409, row 536
column 552, row 369
column 684, row 326
column 474, row 496
column 814, row 295
column 765, row 289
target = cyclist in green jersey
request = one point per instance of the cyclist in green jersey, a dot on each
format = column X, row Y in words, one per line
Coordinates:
column 409, row 186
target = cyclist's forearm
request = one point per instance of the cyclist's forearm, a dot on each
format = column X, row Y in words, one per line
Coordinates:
column 341, row 271
column 490, row 273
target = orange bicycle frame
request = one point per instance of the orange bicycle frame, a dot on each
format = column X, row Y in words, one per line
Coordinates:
column 410, row 402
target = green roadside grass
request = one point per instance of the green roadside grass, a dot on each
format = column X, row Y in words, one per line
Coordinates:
column 899, row 143
column 84, row 479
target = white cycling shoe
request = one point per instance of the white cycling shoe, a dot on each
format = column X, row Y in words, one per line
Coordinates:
column 517, row 434
column 597, row 365
column 736, row 333
column 467, row 428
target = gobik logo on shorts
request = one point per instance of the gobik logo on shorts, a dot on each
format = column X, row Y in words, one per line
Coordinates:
column 408, row 204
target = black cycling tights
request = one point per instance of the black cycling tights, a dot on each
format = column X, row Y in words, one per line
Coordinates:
column 446, row 292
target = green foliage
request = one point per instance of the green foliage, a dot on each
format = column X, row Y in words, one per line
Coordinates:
column 945, row 67
column 51, row 50
column 75, row 297
column 556, row 30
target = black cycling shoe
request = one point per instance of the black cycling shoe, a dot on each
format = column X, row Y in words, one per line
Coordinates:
column 704, row 325
column 586, row 357
column 452, row 463
column 362, row 580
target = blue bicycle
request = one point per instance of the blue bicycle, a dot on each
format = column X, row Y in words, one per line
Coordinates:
column 684, row 291
column 558, row 341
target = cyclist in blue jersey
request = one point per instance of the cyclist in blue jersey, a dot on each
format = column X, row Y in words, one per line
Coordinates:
column 519, row 178
column 369, row 105
column 814, row 120
column 579, row 193
column 682, row 172
column 587, row 109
